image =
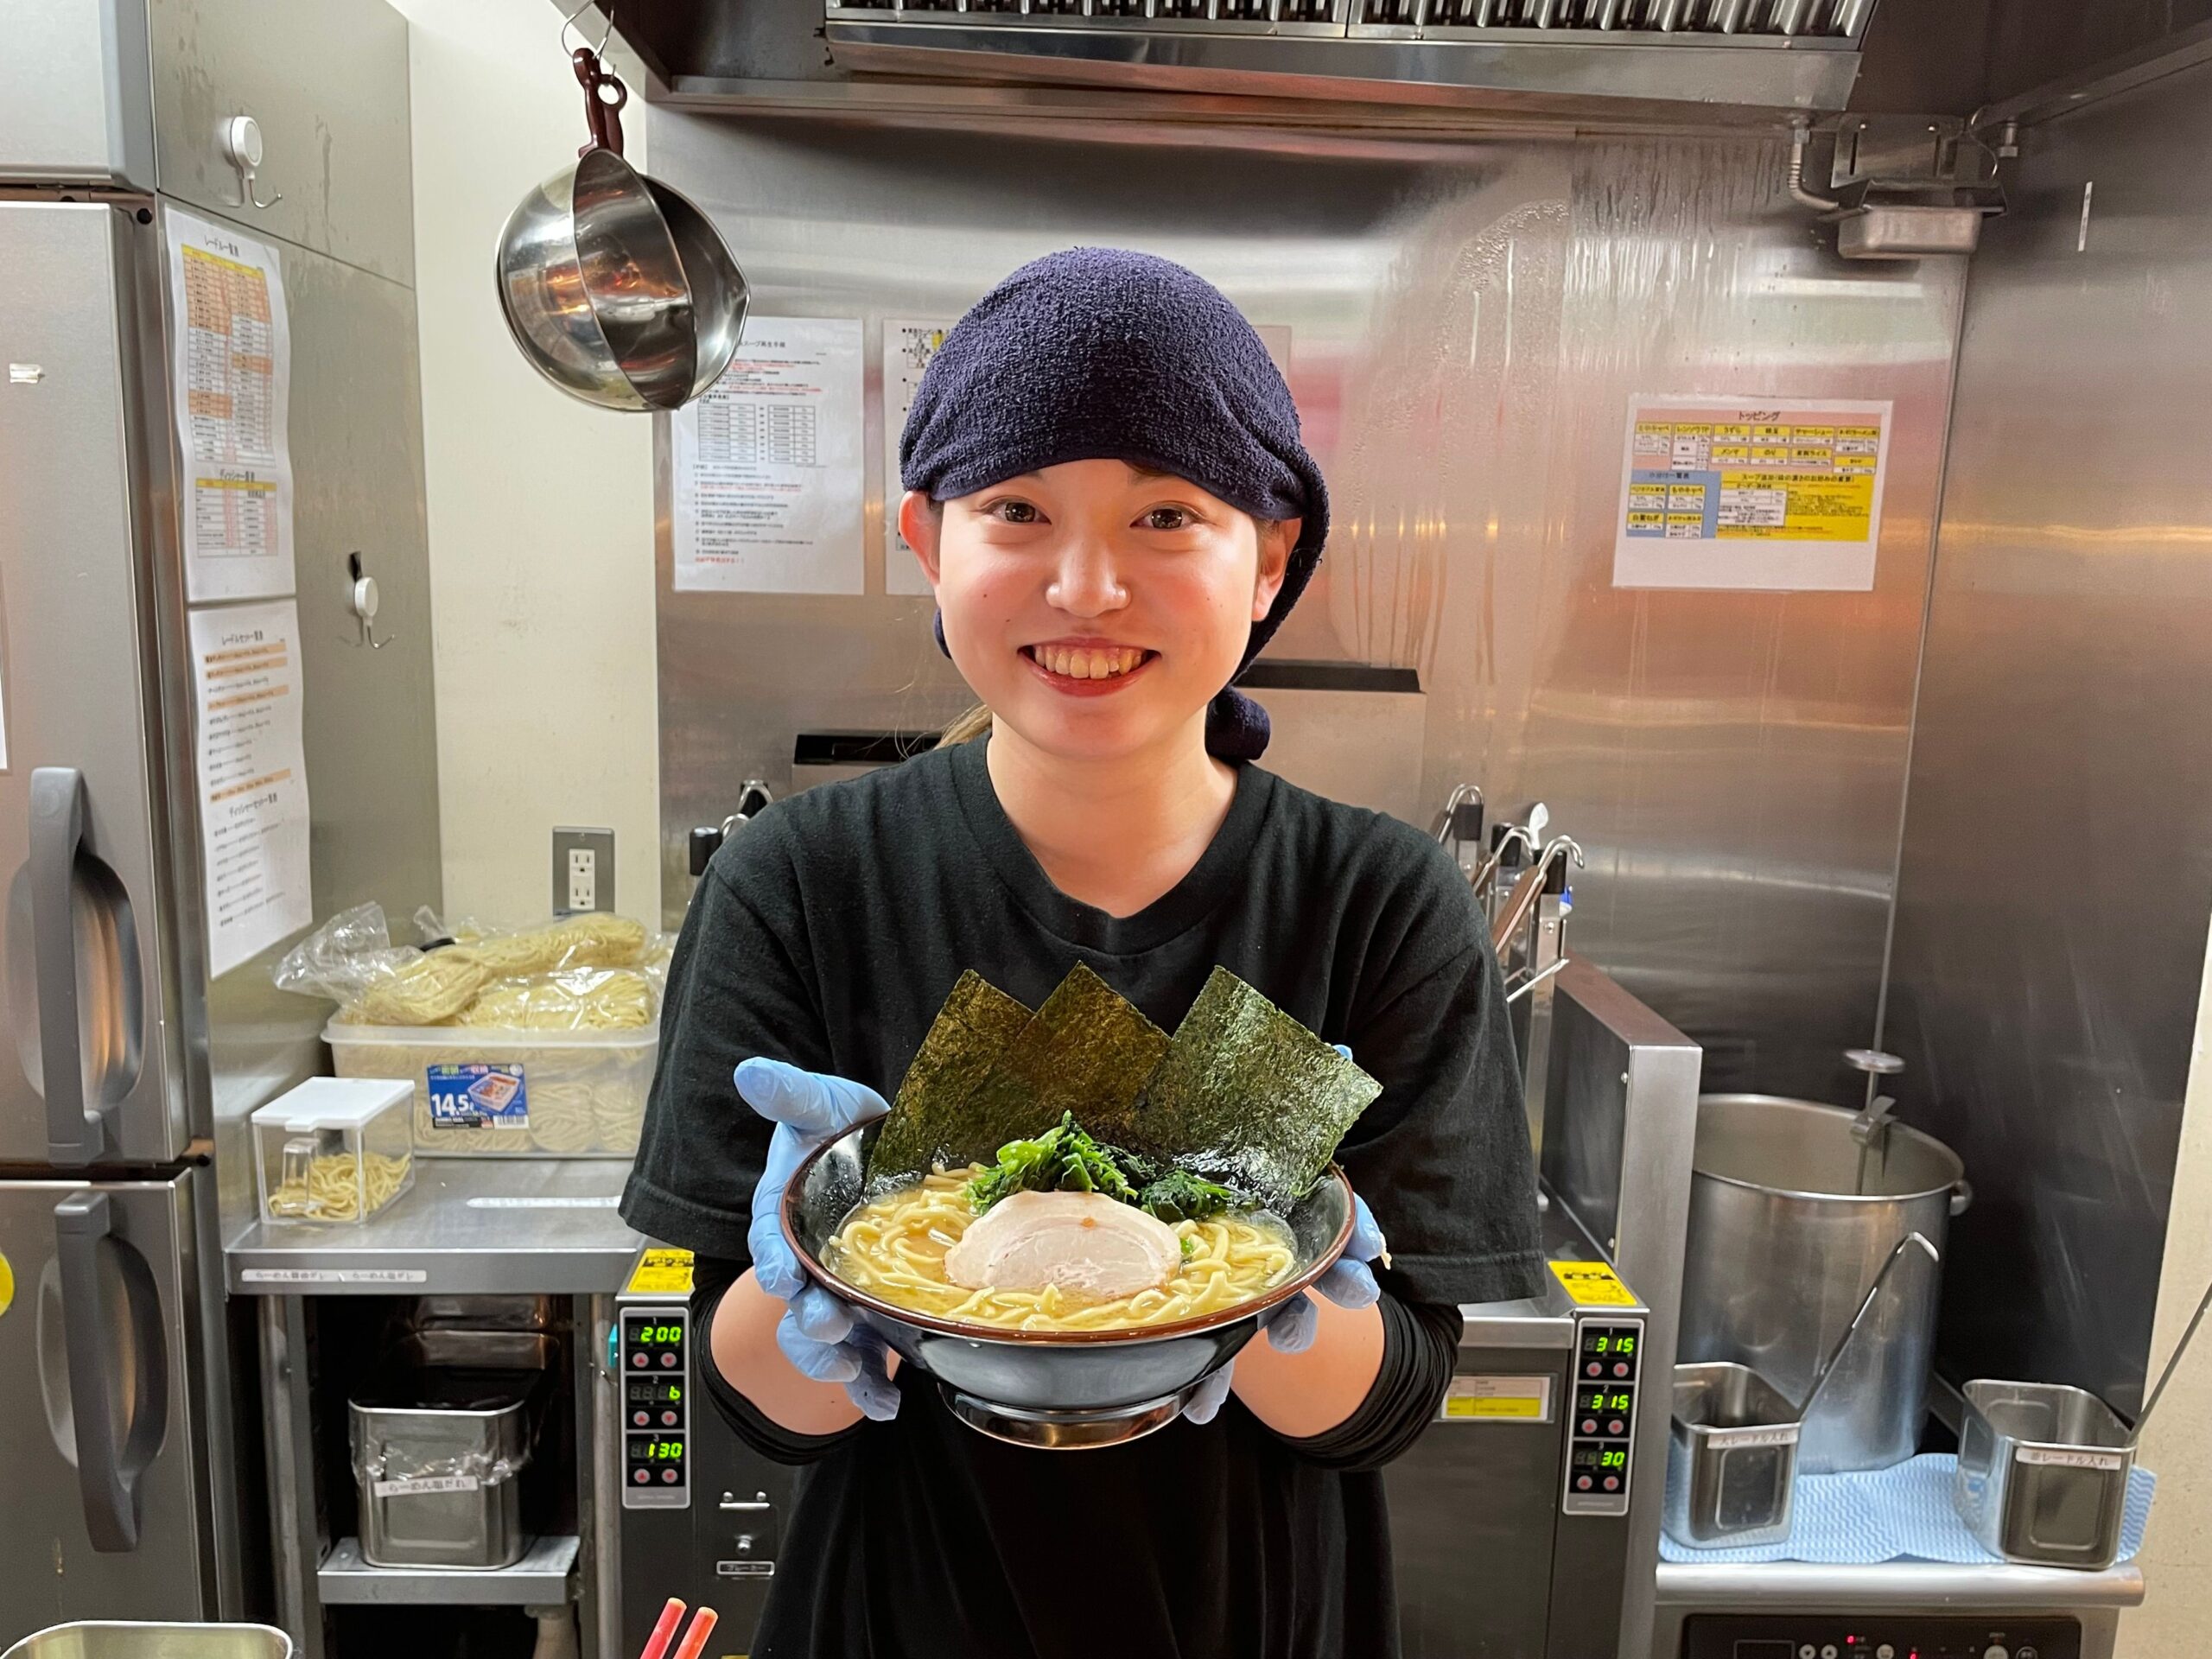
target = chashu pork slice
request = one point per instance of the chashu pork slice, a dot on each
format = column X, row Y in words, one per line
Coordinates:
column 1085, row 1243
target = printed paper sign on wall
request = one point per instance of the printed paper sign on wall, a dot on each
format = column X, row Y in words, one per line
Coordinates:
column 1781, row 494
column 767, row 465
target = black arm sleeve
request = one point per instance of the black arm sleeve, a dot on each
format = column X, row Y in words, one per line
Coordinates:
column 1419, row 1341
column 711, row 1276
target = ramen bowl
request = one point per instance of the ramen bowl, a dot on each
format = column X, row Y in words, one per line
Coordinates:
column 1057, row 1390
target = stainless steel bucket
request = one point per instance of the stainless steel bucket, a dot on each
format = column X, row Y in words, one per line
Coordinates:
column 1784, row 1243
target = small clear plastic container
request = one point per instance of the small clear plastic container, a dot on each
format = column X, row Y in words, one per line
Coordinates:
column 334, row 1149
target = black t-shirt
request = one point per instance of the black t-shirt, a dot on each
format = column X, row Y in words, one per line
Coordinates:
column 827, row 932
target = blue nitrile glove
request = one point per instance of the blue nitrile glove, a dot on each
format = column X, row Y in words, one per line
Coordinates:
column 1291, row 1325
column 817, row 1332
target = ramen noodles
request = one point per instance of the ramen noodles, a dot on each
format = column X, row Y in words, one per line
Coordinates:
column 894, row 1247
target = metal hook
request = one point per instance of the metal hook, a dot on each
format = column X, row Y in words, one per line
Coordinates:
column 569, row 22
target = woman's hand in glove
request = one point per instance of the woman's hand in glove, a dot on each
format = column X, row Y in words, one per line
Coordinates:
column 817, row 1333
column 1290, row 1324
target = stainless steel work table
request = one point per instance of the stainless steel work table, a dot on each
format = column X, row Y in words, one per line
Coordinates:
column 542, row 1227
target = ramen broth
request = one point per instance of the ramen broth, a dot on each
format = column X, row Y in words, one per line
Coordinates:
column 894, row 1247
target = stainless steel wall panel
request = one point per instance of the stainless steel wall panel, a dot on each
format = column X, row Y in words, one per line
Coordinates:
column 1468, row 320
column 2057, row 867
column 327, row 81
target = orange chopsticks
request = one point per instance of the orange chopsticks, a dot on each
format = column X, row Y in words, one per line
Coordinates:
column 694, row 1638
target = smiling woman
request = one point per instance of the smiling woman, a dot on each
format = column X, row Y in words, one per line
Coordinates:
column 1106, row 487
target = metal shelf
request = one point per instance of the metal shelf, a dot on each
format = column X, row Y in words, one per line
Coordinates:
column 541, row 1575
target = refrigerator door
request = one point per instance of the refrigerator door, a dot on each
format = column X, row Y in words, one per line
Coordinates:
column 76, row 105
column 98, row 1436
column 90, row 1077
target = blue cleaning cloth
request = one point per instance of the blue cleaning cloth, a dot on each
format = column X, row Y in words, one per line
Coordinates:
column 1101, row 353
column 1895, row 1513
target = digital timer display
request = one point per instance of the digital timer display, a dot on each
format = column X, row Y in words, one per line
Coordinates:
column 1596, row 1400
column 1621, row 1343
column 655, row 1391
column 659, row 1334
column 662, row 1451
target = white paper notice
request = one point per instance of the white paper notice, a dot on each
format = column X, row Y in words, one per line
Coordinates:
column 908, row 348
column 253, row 779
column 232, row 376
column 768, row 473
column 1783, row 494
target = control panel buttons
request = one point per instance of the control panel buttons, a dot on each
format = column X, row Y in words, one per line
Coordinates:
column 1609, row 1352
column 1886, row 1651
column 1996, row 1650
column 1829, row 1651
column 651, row 1345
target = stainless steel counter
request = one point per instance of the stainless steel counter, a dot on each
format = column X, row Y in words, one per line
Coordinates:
column 547, row 1227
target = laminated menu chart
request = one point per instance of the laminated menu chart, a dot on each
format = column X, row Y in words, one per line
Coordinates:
column 1775, row 493
column 908, row 348
column 253, row 780
column 768, row 476
column 231, row 376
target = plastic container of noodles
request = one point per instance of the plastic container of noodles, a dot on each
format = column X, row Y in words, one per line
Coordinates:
column 486, row 1092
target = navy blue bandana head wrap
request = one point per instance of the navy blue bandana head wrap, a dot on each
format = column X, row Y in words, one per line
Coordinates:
column 1103, row 354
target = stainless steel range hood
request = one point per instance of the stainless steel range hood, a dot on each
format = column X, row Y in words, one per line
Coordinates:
column 1625, row 63
column 1751, row 55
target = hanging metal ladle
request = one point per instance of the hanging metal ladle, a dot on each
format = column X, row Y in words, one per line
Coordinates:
column 616, row 288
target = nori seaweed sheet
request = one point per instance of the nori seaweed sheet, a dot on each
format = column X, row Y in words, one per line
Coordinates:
column 1248, row 1096
column 965, row 1041
column 1087, row 1051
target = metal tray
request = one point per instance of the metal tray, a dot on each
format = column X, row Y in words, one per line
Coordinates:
column 116, row 1639
column 1732, row 1460
column 2043, row 1473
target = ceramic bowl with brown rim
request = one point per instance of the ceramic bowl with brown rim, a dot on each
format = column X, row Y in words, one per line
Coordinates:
column 1063, row 1390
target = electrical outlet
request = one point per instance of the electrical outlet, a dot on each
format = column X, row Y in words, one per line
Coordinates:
column 583, row 870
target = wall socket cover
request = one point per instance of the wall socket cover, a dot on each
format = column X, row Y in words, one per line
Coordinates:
column 583, row 870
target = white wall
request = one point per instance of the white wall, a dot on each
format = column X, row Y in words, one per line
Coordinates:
column 2178, row 1612
column 541, row 509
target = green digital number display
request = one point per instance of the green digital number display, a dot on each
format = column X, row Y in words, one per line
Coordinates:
column 663, row 1450
column 1613, row 1460
column 666, row 1333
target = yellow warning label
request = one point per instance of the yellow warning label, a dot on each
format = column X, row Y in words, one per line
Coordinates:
column 1498, row 1399
column 1593, row 1284
column 7, row 1284
column 661, row 1272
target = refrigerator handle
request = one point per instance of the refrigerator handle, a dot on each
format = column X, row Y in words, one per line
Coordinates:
column 76, row 1133
column 111, row 1456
